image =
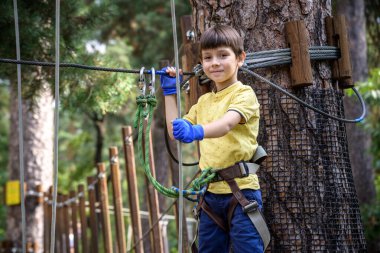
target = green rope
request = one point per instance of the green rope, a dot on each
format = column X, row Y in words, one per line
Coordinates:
column 145, row 108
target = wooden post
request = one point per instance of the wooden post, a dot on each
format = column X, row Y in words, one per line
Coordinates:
column 66, row 223
column 40, row 198
column 74, row 220
column 93, row 219
column 133, row 195
column 59, row 226
column 47, row 220
column 117, row 199
column 189, row 60
column 83, row 219
column 337, row 35
column 154, row 209
column 298, row 39
column 103, row 192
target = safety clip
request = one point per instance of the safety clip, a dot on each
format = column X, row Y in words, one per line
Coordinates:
column 152, row 82
column 142, row 83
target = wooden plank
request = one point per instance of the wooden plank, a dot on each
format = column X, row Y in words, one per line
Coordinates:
column 74, row 220
column 94, row 248
column 59, row 226
column 104, row 207
column 153, row 204
column 66, row 224
column 344, row 62
column 117, row 199
column 133, row 195
column 39, row 190
column 298, row 39
column 331, row 41
column 337, row 35
column 83, row 219
column 47, row 220
column 191, row 57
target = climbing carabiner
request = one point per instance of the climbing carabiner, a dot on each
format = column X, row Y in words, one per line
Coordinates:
column 142, row 83
column 152, row 82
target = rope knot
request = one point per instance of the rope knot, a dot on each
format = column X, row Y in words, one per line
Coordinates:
column 141, row 101
column 151, row 100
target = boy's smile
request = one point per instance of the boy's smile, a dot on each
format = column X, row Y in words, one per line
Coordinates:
column 221, row 65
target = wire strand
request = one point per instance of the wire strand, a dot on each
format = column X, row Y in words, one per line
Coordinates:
column 20, row 130
column 56, row 123
column 179, row 145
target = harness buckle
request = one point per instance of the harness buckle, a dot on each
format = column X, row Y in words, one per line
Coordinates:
column 251, row 207
column 243, row 169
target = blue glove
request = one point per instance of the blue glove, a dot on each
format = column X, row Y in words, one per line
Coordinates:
column 168, row 83
column 184, row 131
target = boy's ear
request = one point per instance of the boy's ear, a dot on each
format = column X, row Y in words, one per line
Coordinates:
column 241, row 58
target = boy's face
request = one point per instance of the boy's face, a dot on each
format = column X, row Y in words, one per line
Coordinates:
column 221, row 65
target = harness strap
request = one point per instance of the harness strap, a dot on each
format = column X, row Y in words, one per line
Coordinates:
column 207, row 209
column 242, row 169
column 238, row 170
column 231, row 209
column 253, row 212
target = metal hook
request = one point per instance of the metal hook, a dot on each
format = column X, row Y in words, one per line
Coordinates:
column 152, row 82
column 142, row 84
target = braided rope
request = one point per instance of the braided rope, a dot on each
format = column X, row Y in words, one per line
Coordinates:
column 145, row 109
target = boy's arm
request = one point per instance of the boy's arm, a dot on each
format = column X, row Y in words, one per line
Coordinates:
column 170, row 113
column 222, row 126
column 184, row 131
column 168, row 85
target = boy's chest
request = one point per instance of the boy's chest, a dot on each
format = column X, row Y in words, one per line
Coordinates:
column 213, row 109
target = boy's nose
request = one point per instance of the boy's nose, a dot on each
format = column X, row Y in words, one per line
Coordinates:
column 215, row 61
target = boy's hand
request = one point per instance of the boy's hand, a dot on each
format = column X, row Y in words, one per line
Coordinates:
column 168, row 81
column 184, row 131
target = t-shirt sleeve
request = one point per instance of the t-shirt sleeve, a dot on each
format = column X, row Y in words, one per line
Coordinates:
column 246, row 104
column 191, row 116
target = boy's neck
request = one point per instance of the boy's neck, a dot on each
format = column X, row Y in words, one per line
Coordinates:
column 222, row 86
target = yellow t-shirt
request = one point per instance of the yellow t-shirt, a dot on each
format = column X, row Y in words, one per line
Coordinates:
column 240, row 143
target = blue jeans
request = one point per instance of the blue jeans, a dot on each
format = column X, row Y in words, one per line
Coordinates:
column 242, row 235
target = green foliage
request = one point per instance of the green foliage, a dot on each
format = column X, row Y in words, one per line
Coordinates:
column 97, row 92
column 372, row 14
column 4, row 138
column 146, row 26
column 37, row 35
column 370, row 91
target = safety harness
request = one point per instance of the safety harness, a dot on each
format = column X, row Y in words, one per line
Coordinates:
column 251, row 208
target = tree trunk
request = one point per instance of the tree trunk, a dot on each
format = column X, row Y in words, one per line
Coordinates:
column 309, row 198
column 38, row 161
column 99, row 126
column 359, row 141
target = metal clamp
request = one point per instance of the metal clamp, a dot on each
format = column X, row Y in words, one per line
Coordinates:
column 251, row 207
column 243, row 169
column 142, row 83
column 152, row 82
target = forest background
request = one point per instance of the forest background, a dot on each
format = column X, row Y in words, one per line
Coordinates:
column 94, row 105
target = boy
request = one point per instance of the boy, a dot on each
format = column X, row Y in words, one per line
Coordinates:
column 226, row 122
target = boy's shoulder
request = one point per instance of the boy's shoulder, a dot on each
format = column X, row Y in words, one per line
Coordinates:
column 241, row 88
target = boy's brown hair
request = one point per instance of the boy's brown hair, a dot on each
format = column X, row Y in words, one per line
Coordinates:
column 222, row 35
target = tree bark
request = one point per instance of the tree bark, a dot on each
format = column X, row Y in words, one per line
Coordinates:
column 99, row 125
column 359, row 141
column 310, row 203
column 38, row 161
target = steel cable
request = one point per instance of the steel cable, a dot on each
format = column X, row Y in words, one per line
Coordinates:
column 56, row 123
column 20, row 130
